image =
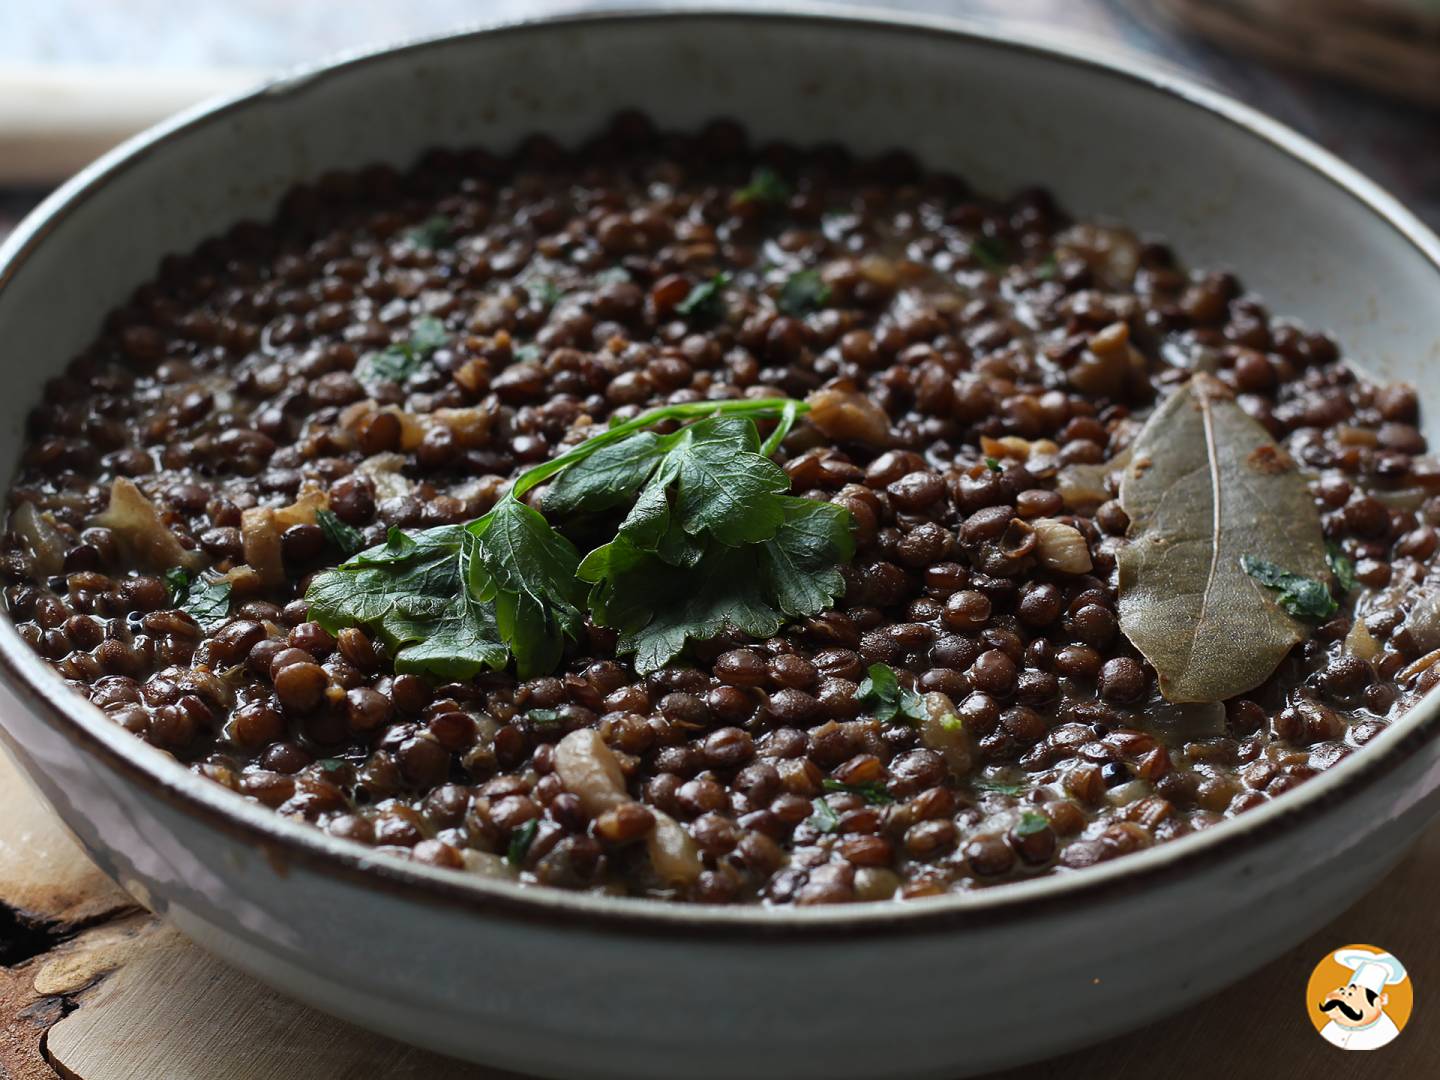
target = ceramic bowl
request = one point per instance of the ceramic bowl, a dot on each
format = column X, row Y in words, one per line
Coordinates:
column 559, row 984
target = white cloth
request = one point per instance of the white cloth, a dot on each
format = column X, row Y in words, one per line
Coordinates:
column 1368, row 1037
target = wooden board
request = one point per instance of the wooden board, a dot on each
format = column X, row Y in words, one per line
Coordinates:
column 41, row 879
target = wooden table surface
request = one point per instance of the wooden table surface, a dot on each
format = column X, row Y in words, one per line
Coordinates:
column 94, row 988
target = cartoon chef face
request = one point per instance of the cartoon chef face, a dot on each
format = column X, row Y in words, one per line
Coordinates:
column 1354, row 1005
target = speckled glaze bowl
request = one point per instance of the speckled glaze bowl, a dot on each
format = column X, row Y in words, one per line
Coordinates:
column 568, row 985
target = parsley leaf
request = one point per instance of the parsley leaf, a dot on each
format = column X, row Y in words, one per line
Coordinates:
column 436, row 231
column 989, row 253
column 520, row 841
column 528, row 570
column 204, row 600
column 824, row 819
column 886, row 699
column 872, row 791
column 409, row 590
column 719, row 481
column 706, row 301
column 1340, row 566
column 1301, row 596
column 1047, row 269
column 659, row 601
column 805, row 291
column 766, row 186
column 346, row 538
column 399, row 361
column 993, row 464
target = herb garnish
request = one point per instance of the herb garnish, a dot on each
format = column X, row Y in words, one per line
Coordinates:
column 434, row 232
column 399, row 361
column 824, row 819
column 989, row 253
column 708, row 539
column 543, row 717
column 204, row 600
column 706, row 300
column 872, row 791
column 766, row 186
column 1031, row 823
column 886, row 699
column 520, row 841
column 993, row 464
column 1341, row 566
column 1302, row 596
column 546, row 291
column 804, row 292
column 346, row 538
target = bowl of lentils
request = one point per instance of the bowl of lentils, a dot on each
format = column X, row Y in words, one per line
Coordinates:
column 542, row 527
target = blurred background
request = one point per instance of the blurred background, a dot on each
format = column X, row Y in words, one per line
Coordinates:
column 1362, row 77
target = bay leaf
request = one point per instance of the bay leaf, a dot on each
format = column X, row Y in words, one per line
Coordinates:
column 1205, row 486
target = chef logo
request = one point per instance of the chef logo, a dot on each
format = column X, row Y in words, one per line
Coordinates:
column 1359, row 997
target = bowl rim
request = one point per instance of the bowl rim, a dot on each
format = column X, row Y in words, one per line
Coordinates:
column 285, row 843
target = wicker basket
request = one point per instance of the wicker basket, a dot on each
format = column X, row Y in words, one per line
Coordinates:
column 1388, row 45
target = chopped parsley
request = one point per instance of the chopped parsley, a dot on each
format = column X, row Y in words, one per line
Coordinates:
column 545, row 291
column 1340, row 566
column 993, row 464
column 705, row 301
column 345, row 538
column 888, row 701
column 436, row 231
column 1047, row 269
column 543, row 717
column 205, row 600
column 1031, row 823
column 520, row 841
column 872, row 791
column 399, row 361
column 803, row 293
column 1300, row 596
column 989, row 253
column 766, row 186
column 824, row 819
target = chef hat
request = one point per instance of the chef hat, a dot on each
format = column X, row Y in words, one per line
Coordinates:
column 1373, row 971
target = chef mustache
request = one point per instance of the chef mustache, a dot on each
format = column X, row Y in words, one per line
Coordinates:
column 1352, row 1014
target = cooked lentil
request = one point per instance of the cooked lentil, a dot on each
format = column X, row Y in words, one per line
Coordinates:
column 998, row 350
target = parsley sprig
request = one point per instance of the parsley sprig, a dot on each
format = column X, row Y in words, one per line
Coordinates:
column 205, row 600
column 708, row 539
column 397, row 362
